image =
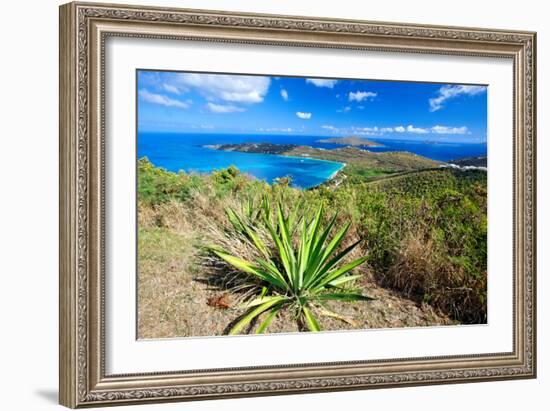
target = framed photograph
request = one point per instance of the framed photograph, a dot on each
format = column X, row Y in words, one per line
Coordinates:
column 259, row 204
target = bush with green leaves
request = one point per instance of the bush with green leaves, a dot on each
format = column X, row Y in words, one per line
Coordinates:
column 157, row 185
column 427, row 236
column 299, row 269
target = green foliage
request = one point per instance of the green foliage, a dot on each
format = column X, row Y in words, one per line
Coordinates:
column 425, row 232
column 299, row 268
column 156, row 185
column 283, row 181
column 358, row 173
column 226, row 175
column 445, row 212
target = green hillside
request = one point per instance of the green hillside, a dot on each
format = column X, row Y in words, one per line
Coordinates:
column 424, row 232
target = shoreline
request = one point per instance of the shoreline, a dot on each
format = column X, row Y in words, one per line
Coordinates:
column 333, row 175
column 329, row 180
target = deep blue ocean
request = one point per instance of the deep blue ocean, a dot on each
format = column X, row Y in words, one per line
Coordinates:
column 175, row 152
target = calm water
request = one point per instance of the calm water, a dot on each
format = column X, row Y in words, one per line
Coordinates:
column 176, row 152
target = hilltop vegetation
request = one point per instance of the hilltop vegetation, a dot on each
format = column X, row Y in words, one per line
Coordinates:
column 427, row 235
column 388, row 160
column 423, row 230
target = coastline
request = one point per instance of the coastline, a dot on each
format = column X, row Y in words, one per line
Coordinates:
column 333, row 175
column 330, row 179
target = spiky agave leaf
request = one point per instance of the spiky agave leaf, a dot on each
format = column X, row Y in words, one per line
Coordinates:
column 265, row 323
column 246, row 230
column 327, row 313
column 311, row 321
column 248, row 317
column 326, row 278
column 249, row 268
column 343, row 297
column 342, row 280
column 303, row 269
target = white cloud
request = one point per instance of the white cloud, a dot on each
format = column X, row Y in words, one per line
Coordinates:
column 233, row 88
column 221, row 108
column 448, row 92
column 303, row 116
column 284, row 94
column 160, row 82
column 416, row 130
column 361, row 95
column 277, row 129
column 367, row 131
column 399, row 129
column 154, row 98
column 344, row 110
column 148, row 78
column 170, row 88
column 410, row 129
column 319, row 82
column 450, row 130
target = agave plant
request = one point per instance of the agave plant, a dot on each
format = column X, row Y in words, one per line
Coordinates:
column 298, row 269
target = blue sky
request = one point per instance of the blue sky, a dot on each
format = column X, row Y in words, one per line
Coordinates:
column 220, row 103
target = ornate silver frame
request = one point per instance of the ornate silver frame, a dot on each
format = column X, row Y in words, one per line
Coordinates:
column 83, row 30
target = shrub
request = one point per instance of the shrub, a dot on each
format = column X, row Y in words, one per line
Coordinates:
column 156, row 185
column 298, row 269
column 427, row 237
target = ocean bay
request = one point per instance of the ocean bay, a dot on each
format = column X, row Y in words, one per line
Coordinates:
column 187, row 152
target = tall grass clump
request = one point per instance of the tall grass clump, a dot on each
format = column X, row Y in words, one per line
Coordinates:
column 298, row 264
column 427, row 237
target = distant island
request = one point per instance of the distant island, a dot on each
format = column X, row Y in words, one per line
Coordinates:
column 259, row 148
column 351, row 141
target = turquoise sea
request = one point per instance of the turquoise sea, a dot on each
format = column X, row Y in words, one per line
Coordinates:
column 175, row 152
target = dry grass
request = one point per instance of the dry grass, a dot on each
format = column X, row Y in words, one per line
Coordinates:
column 413, row 271
column 424, row 276
column 179, row 287
column 172, row 290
